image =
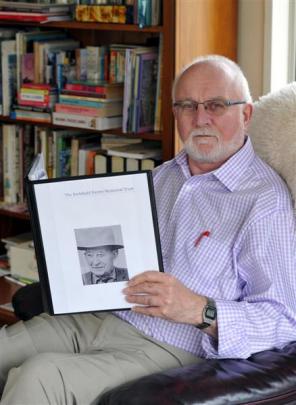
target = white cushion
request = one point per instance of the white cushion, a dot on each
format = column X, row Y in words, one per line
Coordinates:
column 273, row 132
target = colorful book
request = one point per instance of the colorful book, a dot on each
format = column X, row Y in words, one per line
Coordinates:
column 106, row 111
column 84, row 101
column 80, row 121
column 103, row 90
column 32, row 17
column 143, row 150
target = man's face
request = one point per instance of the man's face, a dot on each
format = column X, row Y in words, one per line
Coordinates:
column 100, row 260
column 207, row 138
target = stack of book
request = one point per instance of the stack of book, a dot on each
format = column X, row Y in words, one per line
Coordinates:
column 142, row 156
column 35, row 102
column 32, row 11
column 21, row 258
column 90, row 105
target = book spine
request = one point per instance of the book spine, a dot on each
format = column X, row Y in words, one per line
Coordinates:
column 87, row 122
column 8, row 53
column 74, row 120
column 93, row 112
column 81, row 102
column 85, row 87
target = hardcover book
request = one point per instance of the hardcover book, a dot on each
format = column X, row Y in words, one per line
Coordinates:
column 91, row 235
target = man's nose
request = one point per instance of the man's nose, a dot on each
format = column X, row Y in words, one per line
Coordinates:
column 201, row 116
column 96, row 260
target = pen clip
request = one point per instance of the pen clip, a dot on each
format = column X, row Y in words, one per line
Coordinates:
column 199, row 238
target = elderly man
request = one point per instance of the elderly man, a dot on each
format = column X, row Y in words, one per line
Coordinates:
column 228, row 241
column 100, row 249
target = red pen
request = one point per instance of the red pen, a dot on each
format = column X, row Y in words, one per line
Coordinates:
column 199, row 238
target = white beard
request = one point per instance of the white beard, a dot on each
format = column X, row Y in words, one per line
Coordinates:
column 216, row 153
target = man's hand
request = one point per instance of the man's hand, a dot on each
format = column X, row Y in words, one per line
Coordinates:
column 164, row 296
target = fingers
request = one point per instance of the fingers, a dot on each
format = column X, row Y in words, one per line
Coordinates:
column 149, row 276
column 145, row 287
column 147, row 300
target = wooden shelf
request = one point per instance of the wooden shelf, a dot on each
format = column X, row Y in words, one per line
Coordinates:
column 151, row 136
column 77, row 25
column 19, row 215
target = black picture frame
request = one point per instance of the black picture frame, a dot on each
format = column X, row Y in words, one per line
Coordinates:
column 74, row 216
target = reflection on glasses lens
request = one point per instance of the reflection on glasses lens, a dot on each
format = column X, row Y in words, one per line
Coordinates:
column 216, row 107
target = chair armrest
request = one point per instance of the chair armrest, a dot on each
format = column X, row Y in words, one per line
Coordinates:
column 27, row 301
column 268, row 376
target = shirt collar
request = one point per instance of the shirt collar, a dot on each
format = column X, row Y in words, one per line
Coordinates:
column 230, row 172
column 106, row 277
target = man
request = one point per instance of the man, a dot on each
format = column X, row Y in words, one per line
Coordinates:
column 100, row 251
column 228, row 242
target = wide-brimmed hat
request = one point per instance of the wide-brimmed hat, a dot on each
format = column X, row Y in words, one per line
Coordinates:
column 92, row 238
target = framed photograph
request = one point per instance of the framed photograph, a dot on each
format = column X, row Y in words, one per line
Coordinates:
column 91, row 235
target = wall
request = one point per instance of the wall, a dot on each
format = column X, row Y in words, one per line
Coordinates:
column 251, row 43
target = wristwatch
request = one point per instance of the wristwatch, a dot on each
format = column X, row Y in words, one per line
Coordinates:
column 209, row 314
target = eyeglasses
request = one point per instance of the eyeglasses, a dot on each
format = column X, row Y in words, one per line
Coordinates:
column 215, row 106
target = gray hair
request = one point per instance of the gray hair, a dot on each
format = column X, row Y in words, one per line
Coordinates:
column 223, row 63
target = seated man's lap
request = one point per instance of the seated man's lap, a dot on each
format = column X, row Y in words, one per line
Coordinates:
column 104, row 352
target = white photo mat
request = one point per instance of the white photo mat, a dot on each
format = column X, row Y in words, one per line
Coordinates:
column 119, row 202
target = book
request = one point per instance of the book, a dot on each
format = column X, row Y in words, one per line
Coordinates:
column 146, row 91
column 85, row 101
column 23, row 261
column 158, row 96
column 132, row 164
column 80, row 121
column 61, row 151
column 117, row 164
column 5, row 34
column 77, row 142
column 30, row 6
column 101, row 13
column 9, row 163
column 8, row 59
column 137, row 151
column 102, row 90
column 86, row 212
column 110, row 140
column 102, row 164
column 26, row 115
column 149, row 164
column 86, row 156
column 109, row 110
column 33, row 17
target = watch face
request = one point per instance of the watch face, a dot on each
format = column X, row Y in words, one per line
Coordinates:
column 210, row 313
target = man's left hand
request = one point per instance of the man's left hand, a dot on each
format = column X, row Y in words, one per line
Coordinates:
column 162, row 295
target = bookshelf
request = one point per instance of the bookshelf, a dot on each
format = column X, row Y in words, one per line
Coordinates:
column 190, row 28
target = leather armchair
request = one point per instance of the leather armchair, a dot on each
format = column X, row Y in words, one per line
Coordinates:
column 267, row 377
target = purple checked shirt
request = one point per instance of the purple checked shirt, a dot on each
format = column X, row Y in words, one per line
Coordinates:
column 246, row 263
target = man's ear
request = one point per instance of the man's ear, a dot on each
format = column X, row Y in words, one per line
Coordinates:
column 247, row 114
column 115, row 253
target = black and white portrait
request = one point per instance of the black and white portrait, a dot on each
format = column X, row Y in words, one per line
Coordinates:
column 101, row 254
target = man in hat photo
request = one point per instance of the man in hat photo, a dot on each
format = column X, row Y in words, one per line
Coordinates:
column 100, row 250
